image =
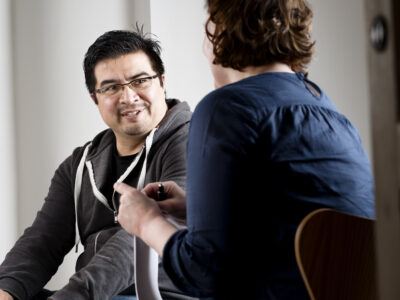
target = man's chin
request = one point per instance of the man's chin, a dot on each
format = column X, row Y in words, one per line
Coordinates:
column 136, row 131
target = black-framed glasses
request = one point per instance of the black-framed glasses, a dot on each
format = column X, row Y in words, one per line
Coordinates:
column 136, row 84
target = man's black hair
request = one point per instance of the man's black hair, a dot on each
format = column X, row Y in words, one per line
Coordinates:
column 116, row 43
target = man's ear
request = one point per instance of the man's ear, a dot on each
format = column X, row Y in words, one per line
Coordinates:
column 93, row 98
column 163, row 81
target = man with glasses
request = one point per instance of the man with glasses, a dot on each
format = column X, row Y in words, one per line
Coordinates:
column 145, row 142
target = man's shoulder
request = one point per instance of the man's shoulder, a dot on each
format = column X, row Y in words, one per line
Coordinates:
column 101, row 140
column 176, row 120
column 178, row 108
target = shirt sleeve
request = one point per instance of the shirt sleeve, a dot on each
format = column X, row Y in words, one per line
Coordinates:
column 221, row 137
column 173, row 160
column 109, row 271
column 40, row 250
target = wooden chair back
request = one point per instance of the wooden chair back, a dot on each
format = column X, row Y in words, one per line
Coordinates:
column 336, row 257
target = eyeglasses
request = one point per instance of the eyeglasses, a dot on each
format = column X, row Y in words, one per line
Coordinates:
column 135, row 85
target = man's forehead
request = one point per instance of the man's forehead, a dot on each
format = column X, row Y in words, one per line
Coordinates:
column 126, row 65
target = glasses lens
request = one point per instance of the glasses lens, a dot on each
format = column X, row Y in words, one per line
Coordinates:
column 111, row 90
column 141, row 83
column 136, row 84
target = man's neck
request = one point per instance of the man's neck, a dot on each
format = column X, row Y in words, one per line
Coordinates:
column 130, row 145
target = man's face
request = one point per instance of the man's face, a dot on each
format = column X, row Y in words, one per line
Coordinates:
column 130, row 113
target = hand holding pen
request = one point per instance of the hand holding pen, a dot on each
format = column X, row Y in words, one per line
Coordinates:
column 141, row 216
column 171, row 199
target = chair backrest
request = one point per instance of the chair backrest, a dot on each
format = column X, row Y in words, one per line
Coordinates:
column 336, row 257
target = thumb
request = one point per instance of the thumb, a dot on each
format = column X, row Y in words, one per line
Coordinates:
column 123, row 188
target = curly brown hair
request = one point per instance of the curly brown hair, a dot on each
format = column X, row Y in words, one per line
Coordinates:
column 260, row 32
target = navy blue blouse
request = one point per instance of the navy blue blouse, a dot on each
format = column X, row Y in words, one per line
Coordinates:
column 262, row 153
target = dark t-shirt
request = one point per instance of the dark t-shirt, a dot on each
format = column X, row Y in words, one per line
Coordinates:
column 119, row 165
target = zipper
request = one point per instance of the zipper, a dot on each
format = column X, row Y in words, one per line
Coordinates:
column 122, row 178
column 98, row 194
column 115, row 211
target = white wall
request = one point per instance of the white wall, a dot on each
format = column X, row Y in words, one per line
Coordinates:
column 54, row 114
column 8, row 203
column 340, row 63
column 179, row 26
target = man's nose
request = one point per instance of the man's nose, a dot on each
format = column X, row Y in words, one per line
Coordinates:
column 128, row 95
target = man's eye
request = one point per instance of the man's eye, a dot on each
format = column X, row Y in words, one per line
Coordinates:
column 110, row 88
column 140, row 81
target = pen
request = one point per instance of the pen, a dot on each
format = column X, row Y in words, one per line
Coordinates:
column 161, row 195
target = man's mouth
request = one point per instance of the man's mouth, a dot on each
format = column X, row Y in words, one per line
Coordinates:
column 131, row 113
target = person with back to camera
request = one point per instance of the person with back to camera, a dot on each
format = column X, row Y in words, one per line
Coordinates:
column 264, row 149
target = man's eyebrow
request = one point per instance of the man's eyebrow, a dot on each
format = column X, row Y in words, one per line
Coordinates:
column 138, row 75
column 108, row 81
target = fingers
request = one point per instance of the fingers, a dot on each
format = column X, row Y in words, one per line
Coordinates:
column 172, row 189
column 126, row 192
column 165, row 206
column 151, row 190
column 122, row 188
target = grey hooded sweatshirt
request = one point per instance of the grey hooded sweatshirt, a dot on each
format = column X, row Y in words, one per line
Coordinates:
column 105, row 268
